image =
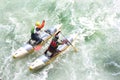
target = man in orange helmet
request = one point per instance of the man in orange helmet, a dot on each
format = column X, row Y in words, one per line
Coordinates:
column 35, row 32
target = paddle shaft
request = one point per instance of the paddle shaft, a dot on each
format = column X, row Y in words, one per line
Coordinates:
column 70, row 43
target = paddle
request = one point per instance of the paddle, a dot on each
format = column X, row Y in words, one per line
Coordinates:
column 75, row 49
column 38, row 47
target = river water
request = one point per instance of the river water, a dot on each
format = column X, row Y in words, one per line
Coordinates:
column 98, row 44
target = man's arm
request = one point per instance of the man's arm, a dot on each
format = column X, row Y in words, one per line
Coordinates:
column 43, row 23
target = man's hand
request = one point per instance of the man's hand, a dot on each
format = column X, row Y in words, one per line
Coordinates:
column 44, row 21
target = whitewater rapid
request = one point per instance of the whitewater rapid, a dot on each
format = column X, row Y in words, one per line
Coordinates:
column 98, row 43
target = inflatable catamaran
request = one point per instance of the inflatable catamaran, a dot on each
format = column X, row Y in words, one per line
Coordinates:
column 44, row 59
column 29, row 48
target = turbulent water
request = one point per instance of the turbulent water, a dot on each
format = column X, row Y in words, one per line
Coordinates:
column 98, row 44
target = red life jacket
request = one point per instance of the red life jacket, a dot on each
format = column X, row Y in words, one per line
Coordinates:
column 53, row 44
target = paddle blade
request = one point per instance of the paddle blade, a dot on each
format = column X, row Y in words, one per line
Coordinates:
column 75, row 49
column 36, row 48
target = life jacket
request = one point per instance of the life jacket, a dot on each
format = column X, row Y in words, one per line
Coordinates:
column 35, row 33
column 53, row 46
column 37, row 30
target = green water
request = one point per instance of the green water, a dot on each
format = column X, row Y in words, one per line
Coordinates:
column 98, row 44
